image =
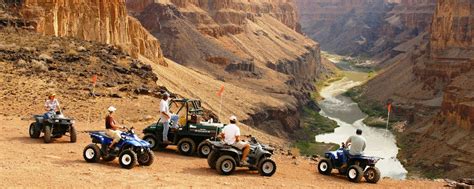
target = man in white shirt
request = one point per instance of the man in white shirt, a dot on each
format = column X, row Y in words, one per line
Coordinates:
column 231, row 135
column 357, row 143
column 357, row 146
column 166, row 117
column 51, row 106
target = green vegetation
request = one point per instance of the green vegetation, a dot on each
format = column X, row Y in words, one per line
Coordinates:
column 377, row 113
column 312, row 148
column 313, row 124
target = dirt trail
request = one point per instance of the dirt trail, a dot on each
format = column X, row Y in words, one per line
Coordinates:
column 29, row 162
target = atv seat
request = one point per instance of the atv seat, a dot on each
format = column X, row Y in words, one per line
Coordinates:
column 101, row 137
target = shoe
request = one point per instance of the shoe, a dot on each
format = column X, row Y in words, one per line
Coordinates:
column 244, row 163
column 167, row 142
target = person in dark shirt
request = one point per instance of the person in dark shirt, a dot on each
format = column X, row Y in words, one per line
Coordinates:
column 112, row 128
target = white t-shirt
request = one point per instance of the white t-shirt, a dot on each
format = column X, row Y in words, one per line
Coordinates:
column 164, row 107
column 357, row 145
column 230, row 132
column 51, row 104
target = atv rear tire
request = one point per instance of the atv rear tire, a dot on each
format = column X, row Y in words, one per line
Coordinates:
column 267, row 167
column 372, row 175
column 204, row 149
column 212, row 159
column 355, row 173
column 34, row 131
column 153, row 142
column 47, row 134
column 225, row 165
column 324, row 167
column 128, row 159
column 186, row 146
column 146, row 158
column 73, row 134
column 91, row 153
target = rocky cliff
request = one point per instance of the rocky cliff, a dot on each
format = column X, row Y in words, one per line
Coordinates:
column 255, row 45
column 101, row 21
column 367, row 28
column 432, row 86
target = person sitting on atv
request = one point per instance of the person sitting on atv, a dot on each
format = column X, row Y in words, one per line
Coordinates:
column 51, row 106
column 112, row 128
column 231, row 134
column 357, row 143
column 166, row 117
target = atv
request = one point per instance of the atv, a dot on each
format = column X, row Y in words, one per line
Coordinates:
column 225, row 158
column 357, row 166
column 191, row 135
column 130, row 149
column 54, row 127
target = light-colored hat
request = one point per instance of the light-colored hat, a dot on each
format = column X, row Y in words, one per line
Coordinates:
column 112, row 109
column 166, row 94
column 233, row 118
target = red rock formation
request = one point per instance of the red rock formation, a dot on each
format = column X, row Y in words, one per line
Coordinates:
column 364, row 27
column 102, row 21
column 437, row 79
column 253, row 44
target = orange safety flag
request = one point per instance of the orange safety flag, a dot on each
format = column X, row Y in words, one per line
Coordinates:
column 221, row 91
column 94, row 79
column 389, row 107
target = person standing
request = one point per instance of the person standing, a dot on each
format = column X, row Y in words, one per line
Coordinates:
column 165, row 116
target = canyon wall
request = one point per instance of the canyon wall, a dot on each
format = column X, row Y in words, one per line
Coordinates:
column 366, row 28
column 252, row 44
column 102, row 21
column 432, row 84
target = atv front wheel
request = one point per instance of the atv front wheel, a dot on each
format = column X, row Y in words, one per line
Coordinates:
column 212, row 159
column 267, row 167
column 372, row 175
column 128, row 159
column 225, row 165
column 34, row 131
column 91, row 153
column 204, row 149
column 186, row 146
column 355, row 173
column 47, row 134
column 146, row 158
column 73, row 134
column 324, row 167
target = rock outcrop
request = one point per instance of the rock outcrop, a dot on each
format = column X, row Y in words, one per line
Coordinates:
column 101, row 21
column 434, row 82
column 367, row 28
column 255, row 45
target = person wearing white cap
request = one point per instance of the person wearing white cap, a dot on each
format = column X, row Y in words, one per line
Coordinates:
column 112, row 128
column 231, row 135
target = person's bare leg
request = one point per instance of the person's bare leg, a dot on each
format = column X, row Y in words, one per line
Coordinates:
column 245, row 152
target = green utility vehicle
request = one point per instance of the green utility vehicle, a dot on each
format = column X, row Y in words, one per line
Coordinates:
column 192, row 132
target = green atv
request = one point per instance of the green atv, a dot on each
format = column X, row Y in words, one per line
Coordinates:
column 191, row 135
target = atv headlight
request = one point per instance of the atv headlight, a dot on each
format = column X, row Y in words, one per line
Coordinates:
column 57, row 121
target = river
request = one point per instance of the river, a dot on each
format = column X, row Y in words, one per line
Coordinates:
column 349, row 117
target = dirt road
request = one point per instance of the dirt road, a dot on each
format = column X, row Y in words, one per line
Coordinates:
column 27, row 162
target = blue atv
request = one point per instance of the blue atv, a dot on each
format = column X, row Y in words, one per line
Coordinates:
column 130, row 149
column 357, row 166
